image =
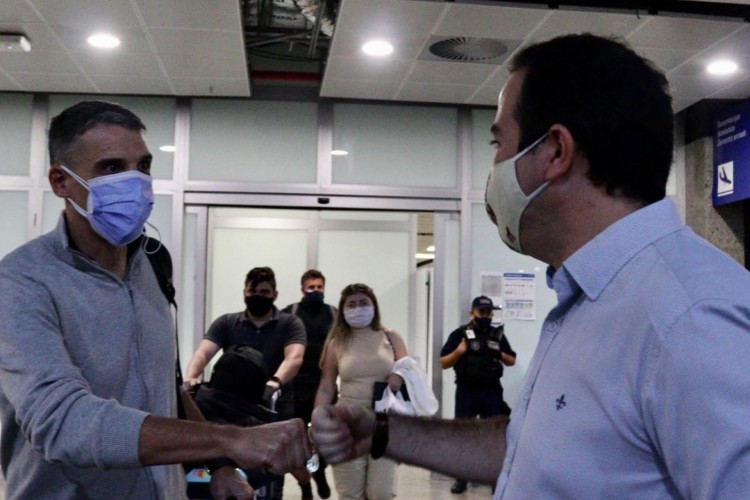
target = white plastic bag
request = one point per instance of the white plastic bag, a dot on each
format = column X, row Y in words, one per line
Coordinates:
column 394, row 403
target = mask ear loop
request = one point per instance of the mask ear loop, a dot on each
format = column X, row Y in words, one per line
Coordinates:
column 83, row 183
column 145, row 240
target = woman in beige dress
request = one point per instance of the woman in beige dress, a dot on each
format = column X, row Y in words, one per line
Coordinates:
column 361, row 352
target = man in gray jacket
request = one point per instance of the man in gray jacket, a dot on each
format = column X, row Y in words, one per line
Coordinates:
column 87, row 384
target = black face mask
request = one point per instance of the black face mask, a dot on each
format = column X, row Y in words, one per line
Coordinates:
column 483, row 323
column 314, row 298
column 258, row 305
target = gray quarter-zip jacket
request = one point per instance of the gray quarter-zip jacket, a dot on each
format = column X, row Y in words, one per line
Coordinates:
column 84, row 358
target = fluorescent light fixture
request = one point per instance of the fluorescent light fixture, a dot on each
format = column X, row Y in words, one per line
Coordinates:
column 377, row 48
column 14, row 42
column 722, row 67
column 431, row 248
column 339, row 152
column 103, row 41
column 167, row 148
column 424, row 255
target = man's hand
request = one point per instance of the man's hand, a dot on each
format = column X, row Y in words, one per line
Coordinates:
column 342, row 432
column 271, row 387
column 462, row 347
column 227, row 483
column 190, row 382
column 278, row 447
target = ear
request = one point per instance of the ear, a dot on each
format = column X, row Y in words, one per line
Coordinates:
column 275, row 294
column 58, row 181
column 563, row 153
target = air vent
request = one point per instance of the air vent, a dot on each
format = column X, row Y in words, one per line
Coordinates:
column 468, row 49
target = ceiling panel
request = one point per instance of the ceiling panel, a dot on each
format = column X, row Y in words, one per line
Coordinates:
column 197, row 47
column 222, row 15
column 433, row 92
column 42, row 82
column 89, row 14
column 131, row 84
column 38, row 61
column 445, row 72
column 212, row 87
column 578, row 21
column 681, row 33
column 489, row 21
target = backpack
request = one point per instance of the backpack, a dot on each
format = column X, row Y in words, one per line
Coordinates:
column 161, row 262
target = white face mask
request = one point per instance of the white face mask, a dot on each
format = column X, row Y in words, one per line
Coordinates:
column 359, row 317
column 505, row 201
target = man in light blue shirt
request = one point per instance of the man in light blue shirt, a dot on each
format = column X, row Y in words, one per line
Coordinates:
column 639, row 384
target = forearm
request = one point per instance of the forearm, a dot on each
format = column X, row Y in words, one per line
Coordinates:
column 279, row 447
column 168, row 441
column 449, row 360
column 196, row 366
column 434, row 444
column 288, row 369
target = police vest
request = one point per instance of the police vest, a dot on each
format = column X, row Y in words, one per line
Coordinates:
column 481, row 364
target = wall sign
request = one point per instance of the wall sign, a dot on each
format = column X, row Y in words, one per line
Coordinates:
column 732, row 155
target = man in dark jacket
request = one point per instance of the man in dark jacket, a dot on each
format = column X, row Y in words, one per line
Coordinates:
column 317, row 317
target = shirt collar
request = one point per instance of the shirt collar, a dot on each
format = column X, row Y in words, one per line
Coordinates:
column 245, row 316
column 593, row 266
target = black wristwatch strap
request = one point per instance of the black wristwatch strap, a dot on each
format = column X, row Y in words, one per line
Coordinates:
column 379, row 435
column 217, row 463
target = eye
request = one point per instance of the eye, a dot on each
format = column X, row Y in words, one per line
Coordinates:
column 145, row 167
column 494, row 143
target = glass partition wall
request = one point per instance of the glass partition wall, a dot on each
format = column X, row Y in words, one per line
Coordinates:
column 294, row 185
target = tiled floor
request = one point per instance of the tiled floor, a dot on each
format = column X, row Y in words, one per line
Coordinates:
column 413, row 484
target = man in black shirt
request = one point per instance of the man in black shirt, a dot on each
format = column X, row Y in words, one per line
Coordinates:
column 317, row 317
column 278, row 336
column 477, row 352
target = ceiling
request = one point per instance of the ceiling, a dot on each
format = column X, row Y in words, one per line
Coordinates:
column 201, row 48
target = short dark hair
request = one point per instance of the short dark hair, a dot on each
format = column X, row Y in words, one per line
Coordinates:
column 258, row 275
column 312, row 274
column 66, row 128
column 615, row 103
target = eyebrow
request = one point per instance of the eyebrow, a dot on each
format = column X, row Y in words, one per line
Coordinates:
column 121, row 162
column 495, row 129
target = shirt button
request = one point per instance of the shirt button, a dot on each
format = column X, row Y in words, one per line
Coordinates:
column 553, row 326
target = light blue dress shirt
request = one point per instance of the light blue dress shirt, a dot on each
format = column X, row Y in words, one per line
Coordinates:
column 640, row 383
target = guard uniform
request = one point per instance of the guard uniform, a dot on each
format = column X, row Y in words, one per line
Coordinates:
column 478, row 371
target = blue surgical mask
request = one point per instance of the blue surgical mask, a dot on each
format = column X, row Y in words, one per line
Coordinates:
column 118, row 205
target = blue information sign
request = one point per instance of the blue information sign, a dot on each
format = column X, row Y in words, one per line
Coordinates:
column 732, row 155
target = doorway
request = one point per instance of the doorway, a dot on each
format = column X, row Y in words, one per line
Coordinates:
column 376, row 247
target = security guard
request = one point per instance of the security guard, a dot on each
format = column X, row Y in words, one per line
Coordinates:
column 477, row 352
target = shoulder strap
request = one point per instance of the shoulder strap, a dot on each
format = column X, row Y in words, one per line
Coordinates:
column 295, row 306
column 161, row 262
column 388, row 336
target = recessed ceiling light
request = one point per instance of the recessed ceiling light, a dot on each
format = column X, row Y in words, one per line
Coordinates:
column 167, row 149
column 722, row 67
column 430, row 248
column 339, row 152
column 103, row 41
column 377, row 48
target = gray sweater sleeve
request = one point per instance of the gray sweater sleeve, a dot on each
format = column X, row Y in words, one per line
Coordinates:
column 44, row 396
